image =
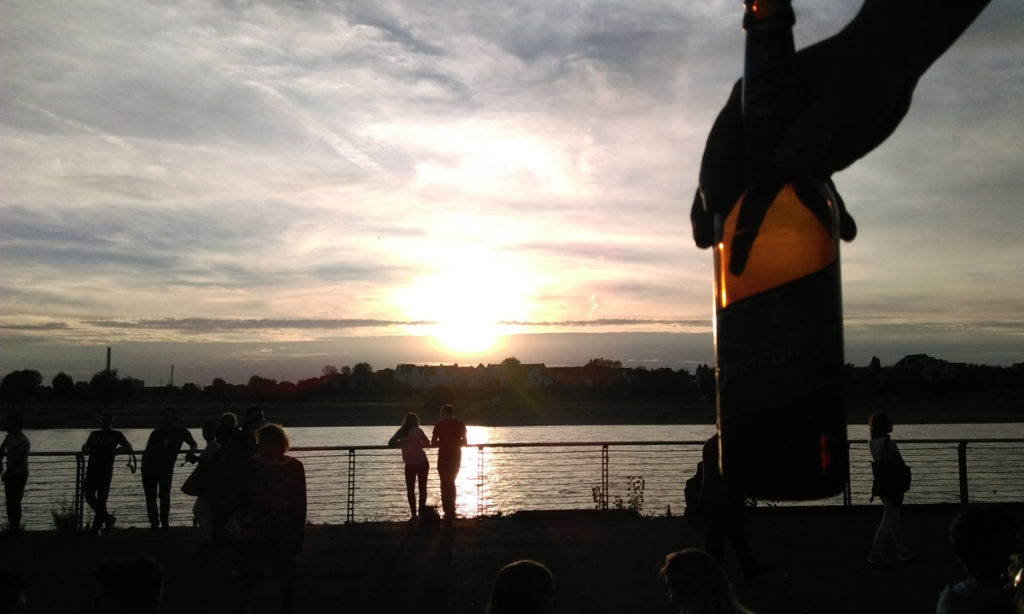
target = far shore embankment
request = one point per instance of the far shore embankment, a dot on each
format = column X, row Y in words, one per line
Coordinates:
column 498, row 413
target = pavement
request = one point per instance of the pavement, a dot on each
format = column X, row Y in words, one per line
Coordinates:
column 602, row 562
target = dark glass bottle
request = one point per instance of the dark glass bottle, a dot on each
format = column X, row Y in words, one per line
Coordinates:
column 778, row 307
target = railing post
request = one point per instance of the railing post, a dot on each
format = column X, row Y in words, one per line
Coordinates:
column 78, row 506
column 847, row 488
column 350, row 504
column 604, row 476
column 479, row 480
column 961, row 456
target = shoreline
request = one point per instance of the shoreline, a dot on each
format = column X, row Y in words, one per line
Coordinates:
column 550, row 413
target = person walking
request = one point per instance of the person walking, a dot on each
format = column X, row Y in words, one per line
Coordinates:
column 891, row 481
column 15, row 447
column 102, row 446
column 449, row 435
column 411, row 438
column 158, row 466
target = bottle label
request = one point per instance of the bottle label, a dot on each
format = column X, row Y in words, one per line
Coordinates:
column 781, row 409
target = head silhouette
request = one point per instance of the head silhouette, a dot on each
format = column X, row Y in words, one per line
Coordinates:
column 272, row 441
column 522, row 587
column 879, row 424
column 697, row 584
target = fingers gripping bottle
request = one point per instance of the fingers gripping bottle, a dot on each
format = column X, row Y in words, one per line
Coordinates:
column 778, row 307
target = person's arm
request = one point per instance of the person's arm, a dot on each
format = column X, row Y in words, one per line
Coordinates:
column 299, row 496
column 423, row 439
column 853, row 90
column 463, row 437
column 433, row 436
column 3, row 453
column 123, row 444
column 87, row 446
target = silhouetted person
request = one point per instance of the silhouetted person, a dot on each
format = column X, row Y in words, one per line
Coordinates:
column 522, row 587
column 268, row 526
column 697, row 584
column 220, row 483
column 158, row 461
column 241, row 446
column 853, row 90
column 411, row 438
column 449, row 435
column 102, row 446
column 886, row 461
column 14, row 473
column 983, row 538
column 724, row 510
column 202, row 510
column 132, row 585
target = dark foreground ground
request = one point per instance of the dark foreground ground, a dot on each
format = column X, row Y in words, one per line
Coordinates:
column 601, row 563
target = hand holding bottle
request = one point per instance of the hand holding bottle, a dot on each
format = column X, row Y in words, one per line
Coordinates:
column 852, row 91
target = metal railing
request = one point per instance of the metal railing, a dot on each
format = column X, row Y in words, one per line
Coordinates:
column 348, row 484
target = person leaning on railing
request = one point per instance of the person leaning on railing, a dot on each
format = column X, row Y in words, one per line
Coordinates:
column 16, row 447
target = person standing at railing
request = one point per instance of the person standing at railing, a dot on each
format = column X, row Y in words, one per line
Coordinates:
column 15, row 474
column 102, row 446
column 411, row 438
column 158, row 466
column 449, row 435
column 724, row 510
column 886, row 462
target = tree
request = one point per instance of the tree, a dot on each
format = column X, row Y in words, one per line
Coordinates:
column 104, row 385
column 63, row 386
column 19, row 386
column 328, row 370
column 362, row 378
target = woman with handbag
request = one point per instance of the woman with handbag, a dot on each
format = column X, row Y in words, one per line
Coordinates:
column 891, row 481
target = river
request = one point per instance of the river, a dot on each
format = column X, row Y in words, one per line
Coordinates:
column 501, row 475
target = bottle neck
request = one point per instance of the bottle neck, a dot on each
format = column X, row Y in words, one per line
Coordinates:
column 769, row 75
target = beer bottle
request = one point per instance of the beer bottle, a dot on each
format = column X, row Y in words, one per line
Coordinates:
column 778, row 308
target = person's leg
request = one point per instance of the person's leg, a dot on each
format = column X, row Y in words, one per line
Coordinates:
column 14, row 492
column 204, row 518
column 882, row 532
column 714, row 543
column 149, row 487
column 287, row 585
column 447, row 472
column 165, row 498
column 91, row 493
column 422, row 471
column 410, row 488
column 737, row 534
column 896, row 530
column 102, row 494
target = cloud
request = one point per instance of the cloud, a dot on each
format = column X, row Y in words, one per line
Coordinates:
column 285, row 170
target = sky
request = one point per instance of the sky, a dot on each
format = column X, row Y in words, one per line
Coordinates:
column 238, row 188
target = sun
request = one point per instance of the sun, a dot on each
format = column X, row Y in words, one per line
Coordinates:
column 470, row 302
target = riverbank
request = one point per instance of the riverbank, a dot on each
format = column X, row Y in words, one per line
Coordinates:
column 551, row 413
column 602, row 563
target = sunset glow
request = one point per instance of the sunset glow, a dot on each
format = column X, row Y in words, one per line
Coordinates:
column 269, row 188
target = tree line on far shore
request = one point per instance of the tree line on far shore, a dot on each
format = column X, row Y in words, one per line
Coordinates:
column 600, row 378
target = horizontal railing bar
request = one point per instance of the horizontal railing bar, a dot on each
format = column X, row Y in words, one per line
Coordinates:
column 563, row 444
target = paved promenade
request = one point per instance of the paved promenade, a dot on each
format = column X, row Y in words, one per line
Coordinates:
column 603, row 563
